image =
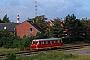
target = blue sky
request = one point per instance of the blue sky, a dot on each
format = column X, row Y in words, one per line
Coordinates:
column 50, row 8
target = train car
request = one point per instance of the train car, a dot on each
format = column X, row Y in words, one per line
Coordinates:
column 48, row 43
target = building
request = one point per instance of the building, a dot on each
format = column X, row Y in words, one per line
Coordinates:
column 51, row 23
column 27, row 28
column 8, row 26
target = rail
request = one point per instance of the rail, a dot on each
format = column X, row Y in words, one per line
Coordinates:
column 35, row 52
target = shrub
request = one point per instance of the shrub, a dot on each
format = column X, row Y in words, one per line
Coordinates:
column 10, row 56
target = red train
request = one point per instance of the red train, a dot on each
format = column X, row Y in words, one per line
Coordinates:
column 46, row 43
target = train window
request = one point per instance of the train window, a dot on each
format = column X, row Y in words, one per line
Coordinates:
column 44, row 42
column 55, row 41
column 48, row 42
column 35, row 42
column 52, row 42
column 61, row 41
column 40, row 42
column 58, row 41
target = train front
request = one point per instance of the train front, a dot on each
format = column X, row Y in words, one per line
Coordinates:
column 34, row 45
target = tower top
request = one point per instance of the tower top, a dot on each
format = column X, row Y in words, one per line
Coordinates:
column 18, row 19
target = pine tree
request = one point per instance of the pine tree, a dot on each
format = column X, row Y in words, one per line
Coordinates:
column 6, row 19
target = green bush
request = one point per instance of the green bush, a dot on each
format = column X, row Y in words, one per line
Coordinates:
column 10, row 56
column 39, row 36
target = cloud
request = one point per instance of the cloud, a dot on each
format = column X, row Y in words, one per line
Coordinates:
column 50, row 8
column 25, row 10
column 59, row 8
column 14, row 2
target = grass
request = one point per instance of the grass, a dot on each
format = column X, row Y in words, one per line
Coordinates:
column 84, row 57
column 50, row 56
column 53, row 55
column 74, row 44
column 10, row 50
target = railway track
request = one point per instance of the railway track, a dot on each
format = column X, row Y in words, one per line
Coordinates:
column 59, row 49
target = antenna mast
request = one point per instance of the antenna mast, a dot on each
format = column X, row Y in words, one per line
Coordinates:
column 36, row 8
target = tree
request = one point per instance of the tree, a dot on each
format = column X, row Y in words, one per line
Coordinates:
column 39, row 21
column 39, row 35
column 57, row 22
column 56, row 30
column 75, row 28
column 6, row 19
column 5, row 39
column 86, row 26
column 1, row 21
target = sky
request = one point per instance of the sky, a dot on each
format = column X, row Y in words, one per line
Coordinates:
column 50, row 8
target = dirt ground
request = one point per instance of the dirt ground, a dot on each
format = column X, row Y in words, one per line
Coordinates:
column 85, row 50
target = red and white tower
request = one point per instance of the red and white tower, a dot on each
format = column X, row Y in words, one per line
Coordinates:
column 18, row 19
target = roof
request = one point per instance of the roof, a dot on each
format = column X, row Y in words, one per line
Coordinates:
column 47, row 39
column 34, row 25
column 51, row 21
column 8, row 26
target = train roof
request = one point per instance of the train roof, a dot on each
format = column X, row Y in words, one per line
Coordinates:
column 47, row 39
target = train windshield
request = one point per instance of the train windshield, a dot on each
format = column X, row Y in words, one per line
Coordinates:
column 35, row 42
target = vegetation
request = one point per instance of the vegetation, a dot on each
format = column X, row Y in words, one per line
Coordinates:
column 76, row 31
column 10, row 50
column 10, row 57
column 8, row 40
column 5, row 19
column 39, row 36
column 48, row 56
column 39, row 21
